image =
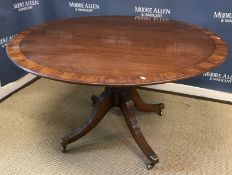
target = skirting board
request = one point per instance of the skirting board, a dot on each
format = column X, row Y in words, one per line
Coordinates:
column 191, row 91
column 10, row 88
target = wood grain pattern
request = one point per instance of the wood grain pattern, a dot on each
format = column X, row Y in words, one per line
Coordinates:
column 128, row 110
column 103, row 104
column 114, row 97
column 140, row 105
column 117, row 51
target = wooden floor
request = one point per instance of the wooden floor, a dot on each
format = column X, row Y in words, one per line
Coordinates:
column 192, row 137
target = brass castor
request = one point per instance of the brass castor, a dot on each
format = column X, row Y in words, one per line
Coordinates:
column 162, row 106
column 150, row 166
column 63, row 145
column 153, row 160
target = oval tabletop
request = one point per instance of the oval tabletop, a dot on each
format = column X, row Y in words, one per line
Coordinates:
column 117, row 50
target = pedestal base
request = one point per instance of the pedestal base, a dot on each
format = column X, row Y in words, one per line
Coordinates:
column 126, row 99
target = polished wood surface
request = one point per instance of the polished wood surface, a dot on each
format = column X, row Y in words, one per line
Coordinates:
column 140, row 105
column 122, row 98
column 116, row 50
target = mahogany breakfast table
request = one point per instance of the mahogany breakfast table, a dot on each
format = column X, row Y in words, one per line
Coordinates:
column 119, row 53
